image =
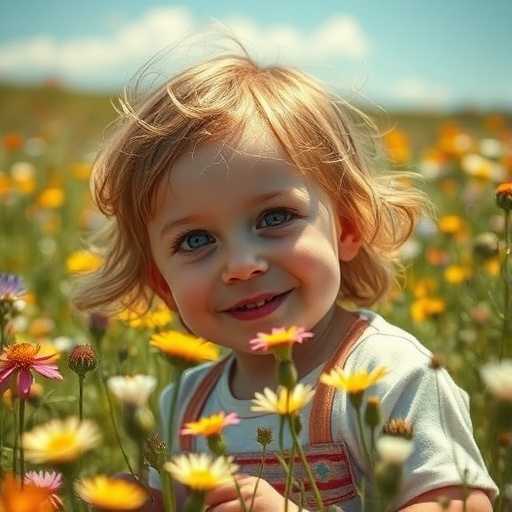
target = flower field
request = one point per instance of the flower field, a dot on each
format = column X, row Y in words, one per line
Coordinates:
column 67, row 424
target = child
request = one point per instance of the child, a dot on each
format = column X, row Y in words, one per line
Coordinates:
column 247, row 198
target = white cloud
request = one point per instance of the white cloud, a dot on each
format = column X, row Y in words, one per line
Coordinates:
column 416, row 90
column 117, row 56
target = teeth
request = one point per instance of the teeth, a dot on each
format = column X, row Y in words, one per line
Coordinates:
column 254, row 305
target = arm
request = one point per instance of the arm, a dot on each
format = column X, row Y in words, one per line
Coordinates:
column 477, row 501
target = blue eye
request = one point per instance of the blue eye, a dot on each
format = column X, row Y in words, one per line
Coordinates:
column 276, row 217
column 194, row 241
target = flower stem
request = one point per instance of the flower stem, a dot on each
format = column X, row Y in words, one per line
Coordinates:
column 260, row 473
column 21, row 430
column 307, row 469
column 81, row 397
column 171, row 504
column 506, row 278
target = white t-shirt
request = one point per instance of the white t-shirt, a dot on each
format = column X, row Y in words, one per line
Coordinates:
column 444, row 447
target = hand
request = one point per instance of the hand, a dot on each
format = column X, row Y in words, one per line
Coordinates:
column 255, row 491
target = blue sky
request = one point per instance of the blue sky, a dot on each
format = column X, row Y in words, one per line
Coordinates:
column 433, row 54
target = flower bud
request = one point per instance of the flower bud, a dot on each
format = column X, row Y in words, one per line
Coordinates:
column 217, row 444
column 372, row 413
column 155, row 451
column 264, row 436
column 82, row 359
column 139, row 421
column 504, row 196
column 486, row 245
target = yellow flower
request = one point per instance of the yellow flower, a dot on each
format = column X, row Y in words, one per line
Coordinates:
column 493, row 266
column 51, row 197
column 82, row 261
column 60, row 441
column 201, row 472
column 81, row 170
column 210, row 425
column 184, row 347
column 456, row 274
column 451, row 224
column 424, row 287
column 285, row 402
column 110, row 493
column 142, row 318
column 353, row 383
column 27, row 498
column 427, row 307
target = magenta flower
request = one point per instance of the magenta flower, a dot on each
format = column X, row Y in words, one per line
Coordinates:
column 280, row 336
column 51, row 482
column 18, row 360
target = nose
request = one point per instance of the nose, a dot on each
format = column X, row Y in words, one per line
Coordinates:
column 243, row 263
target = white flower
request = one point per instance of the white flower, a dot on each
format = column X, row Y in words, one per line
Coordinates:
column 132, row 389
column 498, row 378
column 394, row 450
column 284, row 402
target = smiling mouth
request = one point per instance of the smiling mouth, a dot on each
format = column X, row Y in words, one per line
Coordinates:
column 258, row 304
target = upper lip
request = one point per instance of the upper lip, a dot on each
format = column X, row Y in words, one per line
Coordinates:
column 252, row 300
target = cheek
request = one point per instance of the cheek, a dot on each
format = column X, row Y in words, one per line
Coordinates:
column 317, row 263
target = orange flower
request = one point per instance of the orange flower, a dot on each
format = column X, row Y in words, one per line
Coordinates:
column 52, row 198
column 13, row 141
column 27, row 498
column 504, row 196
column 451, row 224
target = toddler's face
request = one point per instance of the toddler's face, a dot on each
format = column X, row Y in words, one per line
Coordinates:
column 244, row 243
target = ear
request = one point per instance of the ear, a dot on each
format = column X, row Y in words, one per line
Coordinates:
column 349, row 240
column 160, row 287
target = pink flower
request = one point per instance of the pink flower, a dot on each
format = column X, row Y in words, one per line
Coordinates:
column 49, row 481
column 18, row 360
column 211, row 425
column 280, row 336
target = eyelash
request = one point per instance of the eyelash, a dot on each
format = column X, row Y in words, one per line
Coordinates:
column 177, row 241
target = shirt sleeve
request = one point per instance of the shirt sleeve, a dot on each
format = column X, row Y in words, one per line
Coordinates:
column 444, row 450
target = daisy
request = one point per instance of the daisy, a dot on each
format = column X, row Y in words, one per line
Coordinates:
column 211, row 425
column 285, row 402
column 60, row 441
column 394, row 450
column 109, row 493
column 182, row 348
column 201, row 472
column 354, row 383
column 51, row 482
column 132, row 389
column 18, row 360
column 498, row 378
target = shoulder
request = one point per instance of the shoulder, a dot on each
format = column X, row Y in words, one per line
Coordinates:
column 385, row 344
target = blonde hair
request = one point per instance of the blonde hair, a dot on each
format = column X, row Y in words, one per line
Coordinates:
column 326, row 139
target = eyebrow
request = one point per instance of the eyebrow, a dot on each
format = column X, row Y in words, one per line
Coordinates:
column 173, row 224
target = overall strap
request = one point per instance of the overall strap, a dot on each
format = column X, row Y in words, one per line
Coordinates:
column 196, row 403
column 321, row 407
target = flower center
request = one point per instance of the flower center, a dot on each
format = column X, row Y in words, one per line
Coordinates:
column 21, row 354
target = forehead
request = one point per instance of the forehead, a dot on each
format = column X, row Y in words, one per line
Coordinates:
column 253, row 158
